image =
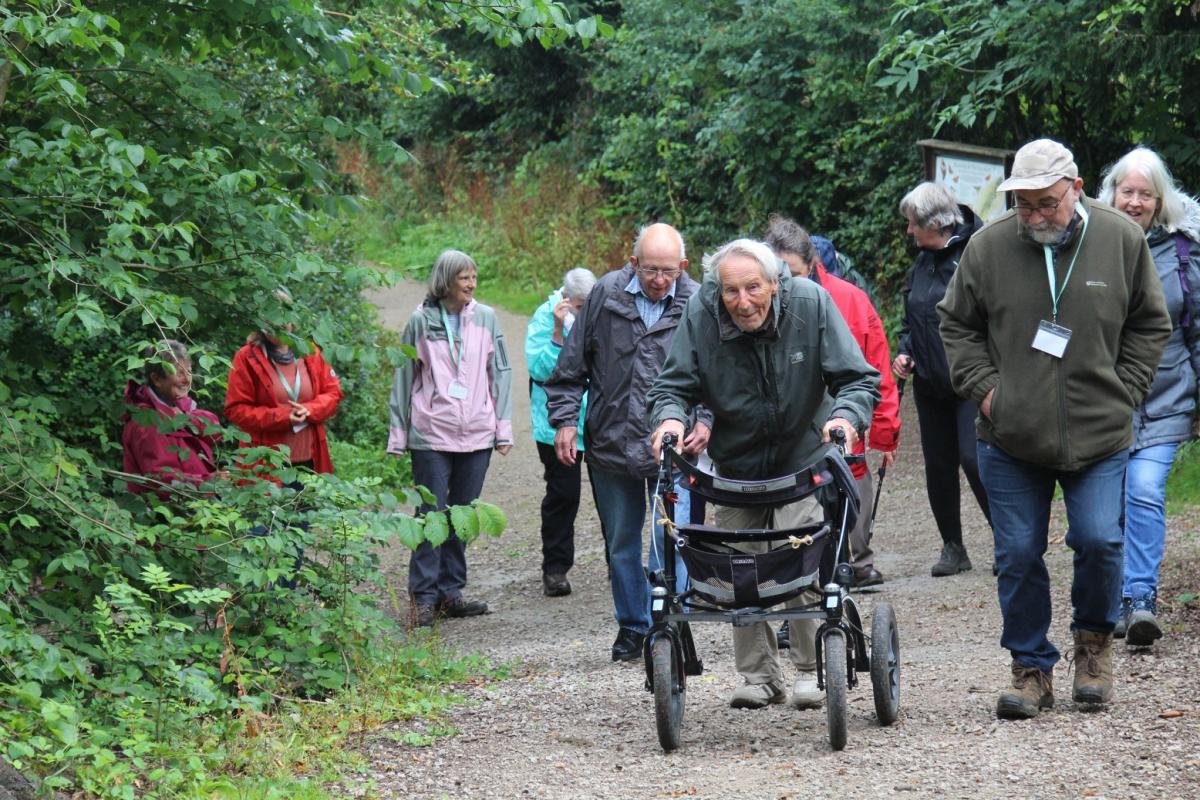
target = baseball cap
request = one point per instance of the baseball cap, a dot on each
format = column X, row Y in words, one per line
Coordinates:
column 1039, row 164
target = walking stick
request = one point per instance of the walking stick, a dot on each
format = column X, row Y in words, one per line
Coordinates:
column 882, row 468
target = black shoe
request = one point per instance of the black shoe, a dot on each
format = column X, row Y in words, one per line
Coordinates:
column 421, row 616
column 867, row 576
column 1123, row 618
column 628, row 646
column 783, row 636
column 952, row 561
column 555, row 584
column 461, row 607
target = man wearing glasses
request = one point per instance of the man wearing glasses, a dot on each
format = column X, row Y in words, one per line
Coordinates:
column 614, row 353
column 1054, row 324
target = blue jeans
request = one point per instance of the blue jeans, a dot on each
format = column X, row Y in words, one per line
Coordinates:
column 621, row 503
column 1145, row 517
column 1020, row 494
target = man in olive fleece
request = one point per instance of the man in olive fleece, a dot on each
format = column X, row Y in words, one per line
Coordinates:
column 1054, row 324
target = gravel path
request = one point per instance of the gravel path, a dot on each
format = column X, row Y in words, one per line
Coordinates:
column 572, row 724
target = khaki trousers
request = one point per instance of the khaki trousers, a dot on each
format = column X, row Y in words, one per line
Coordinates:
column 861, row 554
column 755, row 650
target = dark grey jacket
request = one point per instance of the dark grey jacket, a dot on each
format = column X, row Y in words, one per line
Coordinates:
column 770, row 392
column 613, row 357
column 1166, row 414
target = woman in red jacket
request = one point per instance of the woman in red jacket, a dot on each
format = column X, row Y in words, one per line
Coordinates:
column 167, row 453
column 280, row 399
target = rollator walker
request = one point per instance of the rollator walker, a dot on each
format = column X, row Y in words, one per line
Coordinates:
column 728, row 585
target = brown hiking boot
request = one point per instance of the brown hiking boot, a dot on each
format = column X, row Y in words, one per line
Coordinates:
column 1032, row 690
column 1093, row 667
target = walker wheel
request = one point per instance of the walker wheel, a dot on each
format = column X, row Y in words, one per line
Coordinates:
column 885, row 664
column 670, row 690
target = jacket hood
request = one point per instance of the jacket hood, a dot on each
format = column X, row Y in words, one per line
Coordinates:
column 1189, row 226
column 142, row 396
column 963, row 231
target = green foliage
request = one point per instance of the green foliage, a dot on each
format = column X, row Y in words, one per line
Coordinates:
column 165, row 168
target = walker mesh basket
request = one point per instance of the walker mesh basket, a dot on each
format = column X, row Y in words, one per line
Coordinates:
column 730, row 578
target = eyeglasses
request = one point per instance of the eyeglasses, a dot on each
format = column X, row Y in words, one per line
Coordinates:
column 670, row 273
column 1044, row 208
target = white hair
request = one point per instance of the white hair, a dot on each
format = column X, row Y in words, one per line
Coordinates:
column 931, row 206
column 637, row 243
column 577, row 283
column 1147, row 163
column 768, row 263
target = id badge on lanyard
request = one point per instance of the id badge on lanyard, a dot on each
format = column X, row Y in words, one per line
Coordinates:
column 1050, row 337
column 457, row 390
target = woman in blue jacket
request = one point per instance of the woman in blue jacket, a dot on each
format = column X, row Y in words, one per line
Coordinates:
column 1140, row 185
column 544, row 338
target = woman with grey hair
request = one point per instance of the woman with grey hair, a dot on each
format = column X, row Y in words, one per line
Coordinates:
column 152, row 443
column 1140, row 185
column 544, row 338
column 940, row 228
column 450, row 407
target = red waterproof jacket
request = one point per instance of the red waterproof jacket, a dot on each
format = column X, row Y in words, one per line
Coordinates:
column 867, row 330
column 251, row 405
column 167, row 456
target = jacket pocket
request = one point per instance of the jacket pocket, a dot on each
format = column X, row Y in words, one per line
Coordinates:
column 1174, row 389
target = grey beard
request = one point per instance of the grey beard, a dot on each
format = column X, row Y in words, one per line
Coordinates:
column 1052, row 235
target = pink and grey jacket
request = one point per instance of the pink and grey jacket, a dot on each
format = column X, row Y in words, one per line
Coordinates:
column 181, row 453
column 424, row 413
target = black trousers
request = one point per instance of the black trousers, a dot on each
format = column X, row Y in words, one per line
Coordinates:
column 559, row 508
column 948, row 442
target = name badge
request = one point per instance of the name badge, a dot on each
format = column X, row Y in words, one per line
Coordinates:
column 299, row 426
column 457, row 391
column 1051, row 339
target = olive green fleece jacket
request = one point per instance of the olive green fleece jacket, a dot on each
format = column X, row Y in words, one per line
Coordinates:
column 1060, row 413
column 770, row 392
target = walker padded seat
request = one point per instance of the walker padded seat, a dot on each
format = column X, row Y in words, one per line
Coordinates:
column 730, row 578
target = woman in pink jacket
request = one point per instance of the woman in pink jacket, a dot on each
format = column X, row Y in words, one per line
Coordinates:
column 450, row 407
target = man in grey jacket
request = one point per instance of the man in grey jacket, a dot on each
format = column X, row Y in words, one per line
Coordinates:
column 774, row 361
column 617, row 347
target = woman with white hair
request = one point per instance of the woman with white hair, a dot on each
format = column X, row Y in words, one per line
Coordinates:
column 450, row 407
column 544, row 338
column 1140, row 185
column 941, row 228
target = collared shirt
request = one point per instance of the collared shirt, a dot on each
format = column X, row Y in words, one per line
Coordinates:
column 650, row 311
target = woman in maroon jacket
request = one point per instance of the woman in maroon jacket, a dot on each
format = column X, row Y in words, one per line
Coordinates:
column 167, row 452
column 280, row 399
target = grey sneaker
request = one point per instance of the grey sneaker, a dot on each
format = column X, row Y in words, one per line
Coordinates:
column 1143, row 628
column 952, row 561
column 1123, row 618
column 757, row 695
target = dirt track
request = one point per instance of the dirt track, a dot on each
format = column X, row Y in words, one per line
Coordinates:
column 572, row 724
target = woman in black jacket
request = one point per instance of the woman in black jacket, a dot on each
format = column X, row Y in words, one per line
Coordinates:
column 941, row 228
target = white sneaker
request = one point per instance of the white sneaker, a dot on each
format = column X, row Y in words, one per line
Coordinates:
column 805, row 693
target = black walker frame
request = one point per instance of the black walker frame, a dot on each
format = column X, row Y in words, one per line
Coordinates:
column 843, row 647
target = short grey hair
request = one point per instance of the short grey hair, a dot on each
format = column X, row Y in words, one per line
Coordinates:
column 785, row 235
column 449, row 265
column 759, row 251
column 168, row 351
column 931, row 206
column 1149, row 165
column 637, row 243
column 577, row 283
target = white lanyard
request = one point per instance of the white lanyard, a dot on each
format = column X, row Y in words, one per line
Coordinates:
column 1055, row 296
column 455, row 344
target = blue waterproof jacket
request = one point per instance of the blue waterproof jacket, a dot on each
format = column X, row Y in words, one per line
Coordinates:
column 1165, row 416
column 541, row 354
